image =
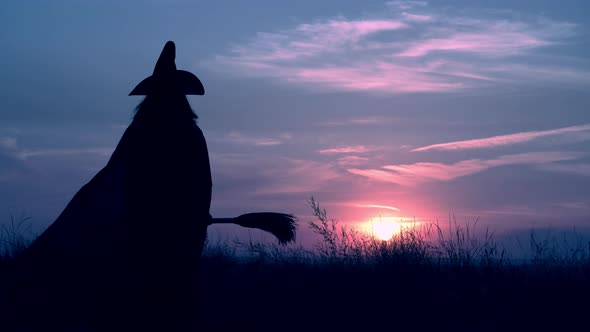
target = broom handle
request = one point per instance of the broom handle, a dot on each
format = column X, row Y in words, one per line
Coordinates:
column 222, row 220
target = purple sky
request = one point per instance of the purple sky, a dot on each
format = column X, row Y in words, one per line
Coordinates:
column 391, row 110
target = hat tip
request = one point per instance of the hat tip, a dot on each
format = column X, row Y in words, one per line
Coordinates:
column 170, row 50
column 167, row 77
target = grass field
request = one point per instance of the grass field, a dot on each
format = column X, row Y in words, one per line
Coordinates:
column 422, row 279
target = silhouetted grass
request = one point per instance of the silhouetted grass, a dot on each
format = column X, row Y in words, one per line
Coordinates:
column 458, row 246
column 14, row 237
column 425, row 278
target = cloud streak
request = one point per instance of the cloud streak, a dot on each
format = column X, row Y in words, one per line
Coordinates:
column 371, row 120
column 352, row 160
column 8, row 143
column 417, row 17
column 417, row 173
column 377, row 206
column 406, row 4
column 239, row 138
column 348, row 149
column 578, row 169
column 51, row 153
column 9, row 147
column 503, row 140
column 412, row 48
column 491, row 43
column 270, row 176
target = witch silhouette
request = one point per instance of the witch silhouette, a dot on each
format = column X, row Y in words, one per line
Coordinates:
column 123, row 255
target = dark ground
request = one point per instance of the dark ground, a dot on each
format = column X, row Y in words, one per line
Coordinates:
column 297, row 295
column 259, row 297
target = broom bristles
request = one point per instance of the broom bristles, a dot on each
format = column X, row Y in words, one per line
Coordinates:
column 281, row 225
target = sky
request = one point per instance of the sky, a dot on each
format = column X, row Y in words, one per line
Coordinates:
column 380, row 110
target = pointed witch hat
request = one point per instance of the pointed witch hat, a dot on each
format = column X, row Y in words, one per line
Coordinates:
column 167, row 79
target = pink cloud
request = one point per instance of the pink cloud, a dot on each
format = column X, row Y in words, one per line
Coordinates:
column 348, row 149
column 338, row 31
column 376, row 175
column 502, row 140
column 356, row 121
column 296, row 176
column 342, row 54
column 413, row 174
column 370, row 120
column 239, row 138
column 438, row 171
column 377, row 76
column 270, row 175
column 308, row 40
column 494, row 43
column 417, row 17
column 377, row 206
column 352, row 160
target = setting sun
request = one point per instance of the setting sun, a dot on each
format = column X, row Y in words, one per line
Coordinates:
column 385, row 230
column 387, row 227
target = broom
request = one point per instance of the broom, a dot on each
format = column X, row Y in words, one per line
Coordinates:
column 282, row 226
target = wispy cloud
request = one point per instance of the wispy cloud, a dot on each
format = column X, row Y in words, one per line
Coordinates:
column 348, row 149
column 9, row 146
column 417, row 17
column 8, row 143
column 412, row 174
column 269, row 176
column 493, row 42
column 352, row 160
column 377, row 206
column 574, row 205
column 370, row 120
column 296, row 176
column 501, row 140
column 411, row 47
column 579, row 169
column 26, row 154
column 239, row 138
column 510, row 211
column 377, row 175
column 19, row 164
column 406, row 4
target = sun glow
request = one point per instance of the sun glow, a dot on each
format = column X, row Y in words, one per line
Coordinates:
column 386, row 228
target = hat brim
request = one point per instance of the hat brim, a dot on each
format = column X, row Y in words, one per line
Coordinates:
column 181, row 81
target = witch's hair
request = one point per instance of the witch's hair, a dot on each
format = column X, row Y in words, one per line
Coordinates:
column 170, row 107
